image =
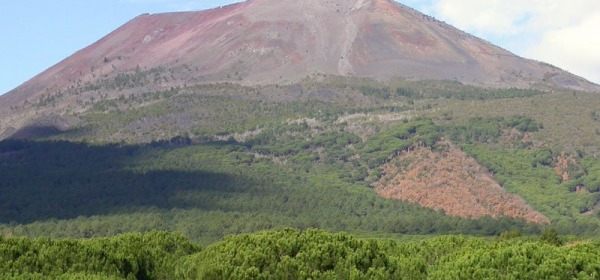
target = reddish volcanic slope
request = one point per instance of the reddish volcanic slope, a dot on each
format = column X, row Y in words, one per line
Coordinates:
column 269, row 41
column 453, row 182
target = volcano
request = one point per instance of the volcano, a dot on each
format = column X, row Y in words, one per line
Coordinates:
column 279, row 113
column 283, row 41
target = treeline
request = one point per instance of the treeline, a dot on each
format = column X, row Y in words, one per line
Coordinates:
column 206, row 110
column 294, row 254
column 441, row 90
column 147, row 117
column 485, row 130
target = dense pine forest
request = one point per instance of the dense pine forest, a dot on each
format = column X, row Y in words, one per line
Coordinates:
column 294, row 254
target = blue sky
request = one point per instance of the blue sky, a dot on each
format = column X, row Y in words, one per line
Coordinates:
column 36, row 34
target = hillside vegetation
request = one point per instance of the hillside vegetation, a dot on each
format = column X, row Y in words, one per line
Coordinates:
column 222, row 159
column 213, row 161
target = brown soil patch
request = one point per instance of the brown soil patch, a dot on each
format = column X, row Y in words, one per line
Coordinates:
column 453, row 182
column 564, row 166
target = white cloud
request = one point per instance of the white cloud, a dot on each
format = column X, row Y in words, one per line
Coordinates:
column 575, row 47
column 563, row 33
column 491, row 16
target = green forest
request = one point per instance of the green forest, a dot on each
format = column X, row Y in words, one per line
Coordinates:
column 295, row 254
column 224, row 181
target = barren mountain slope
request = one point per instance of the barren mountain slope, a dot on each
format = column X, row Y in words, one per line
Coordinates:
column 274, row 41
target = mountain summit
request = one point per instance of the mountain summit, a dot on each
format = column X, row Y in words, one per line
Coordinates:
column 279, row 41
